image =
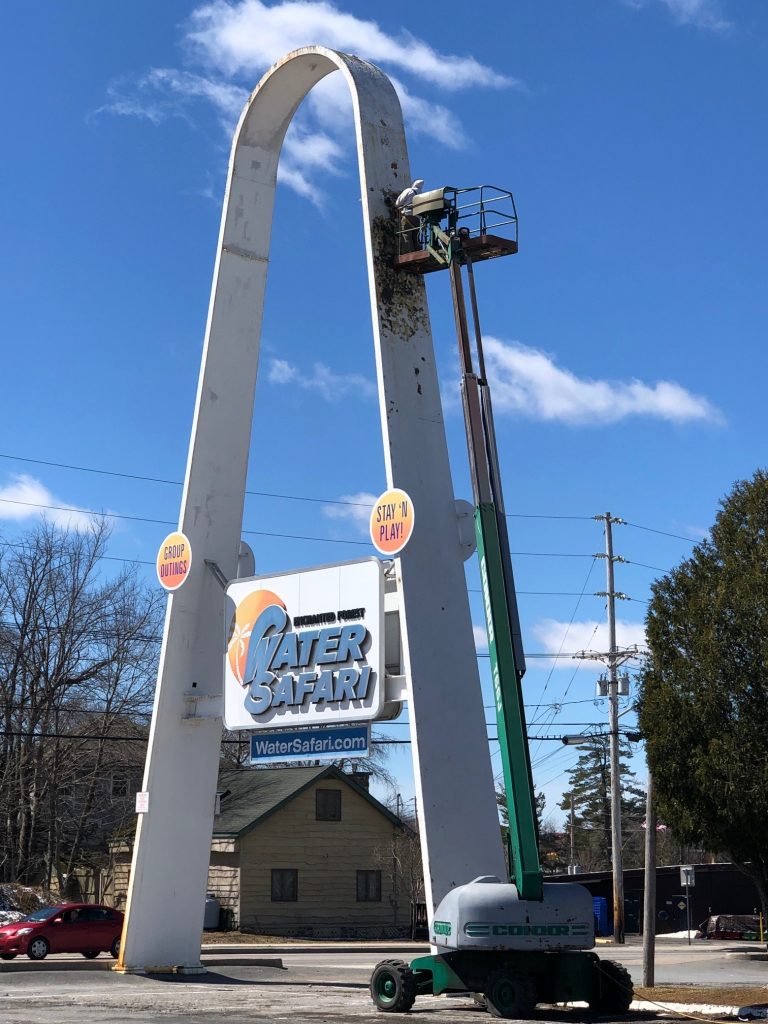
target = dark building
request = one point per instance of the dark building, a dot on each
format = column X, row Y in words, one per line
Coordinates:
column 719, row 889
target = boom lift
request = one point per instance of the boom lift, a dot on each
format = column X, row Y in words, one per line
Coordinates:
column 519, row 942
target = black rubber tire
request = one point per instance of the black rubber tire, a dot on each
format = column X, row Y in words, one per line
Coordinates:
column 8, row 956
column 393, row 986
column 509, row 994
column 114, row 949
column 615, row 988
column 38, row 949
column 91, row 954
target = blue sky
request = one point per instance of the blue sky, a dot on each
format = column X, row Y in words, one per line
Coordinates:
column 628, row 356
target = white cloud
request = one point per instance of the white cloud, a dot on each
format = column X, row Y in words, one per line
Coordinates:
column 236, row 42
column 248, row 36
column 280, row 372
column 322, row 380
column 165, row 93
column 481, row 637
column 27, row 498
column 554, row 635
column 706, row 14
column 528, row 382
column 356, row 510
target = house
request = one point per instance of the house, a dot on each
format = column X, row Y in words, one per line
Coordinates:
column 304, row 852
column 309, row 852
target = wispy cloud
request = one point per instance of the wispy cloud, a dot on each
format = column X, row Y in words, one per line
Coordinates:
column 481, row 637
column 248, row 36
column 705, row 14
column 165, row 93
column 321, row 380
column 528, row 382
column 232, row 44
column 26, row 498
column 355, row 510
column 554, row 636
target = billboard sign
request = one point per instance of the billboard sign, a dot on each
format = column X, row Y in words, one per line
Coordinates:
column 325, row 742
column 306, row 648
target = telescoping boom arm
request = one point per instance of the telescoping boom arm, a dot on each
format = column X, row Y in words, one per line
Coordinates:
column 499, row 596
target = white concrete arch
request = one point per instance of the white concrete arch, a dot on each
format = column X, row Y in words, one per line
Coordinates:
column 455, row 793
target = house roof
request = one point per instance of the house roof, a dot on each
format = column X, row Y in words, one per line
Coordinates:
column 249, row 795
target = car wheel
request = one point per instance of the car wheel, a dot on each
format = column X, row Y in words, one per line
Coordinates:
column 114, row 949
column 8, row 956
column 91, row 954
column 38, row 949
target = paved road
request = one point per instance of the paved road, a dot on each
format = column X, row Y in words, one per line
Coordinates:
column 311, row 988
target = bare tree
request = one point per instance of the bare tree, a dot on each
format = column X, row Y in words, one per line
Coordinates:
column 78, row 652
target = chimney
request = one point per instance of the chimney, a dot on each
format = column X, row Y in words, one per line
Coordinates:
column 363, row 779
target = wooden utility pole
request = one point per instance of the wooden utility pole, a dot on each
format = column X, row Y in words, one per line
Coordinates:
column 649, row 894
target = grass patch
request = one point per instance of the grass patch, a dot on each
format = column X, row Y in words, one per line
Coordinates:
column 722, row 995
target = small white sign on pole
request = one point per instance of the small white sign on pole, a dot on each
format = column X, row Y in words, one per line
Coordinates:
column 306, row 648
column 687, row 875
column 142, row 802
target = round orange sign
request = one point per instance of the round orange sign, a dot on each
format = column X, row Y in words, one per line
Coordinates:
column 174, row 560
column 392, row 522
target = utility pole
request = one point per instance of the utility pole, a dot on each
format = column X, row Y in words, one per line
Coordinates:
column 649, row 894
column 613, row 725
column 572, row 865
column 613, row 657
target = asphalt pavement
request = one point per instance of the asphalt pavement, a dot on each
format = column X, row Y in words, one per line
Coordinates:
column 305, row 985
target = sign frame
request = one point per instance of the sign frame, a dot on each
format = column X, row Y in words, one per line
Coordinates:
column 299, row 612
column 318, row 743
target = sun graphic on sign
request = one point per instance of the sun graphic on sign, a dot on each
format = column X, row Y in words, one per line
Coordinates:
column 249, row 609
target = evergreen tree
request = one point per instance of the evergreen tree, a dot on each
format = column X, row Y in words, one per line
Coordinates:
column 590, row 788
column 704, row 703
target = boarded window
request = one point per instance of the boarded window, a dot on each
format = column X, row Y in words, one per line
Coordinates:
column 369, row 887
column 328, row 805
column 285, row 885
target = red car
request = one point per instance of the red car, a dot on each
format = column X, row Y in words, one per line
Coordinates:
column 84, row 928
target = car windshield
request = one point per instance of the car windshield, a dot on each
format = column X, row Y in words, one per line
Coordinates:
column 42, row 914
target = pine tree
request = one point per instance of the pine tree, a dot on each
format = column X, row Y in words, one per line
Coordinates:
column 590, row 787
column 704, row 698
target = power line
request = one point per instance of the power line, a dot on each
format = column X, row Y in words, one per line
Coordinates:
column 259, row 494
column 663, row 533
column 257, row 533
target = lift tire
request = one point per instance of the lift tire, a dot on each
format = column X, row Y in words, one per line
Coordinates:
column 91, row 954
column 615, row 987
column 510, row 994
column 8, row 956
column 393, row 986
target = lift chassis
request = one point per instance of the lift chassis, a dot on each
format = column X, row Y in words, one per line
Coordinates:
column 520, row 942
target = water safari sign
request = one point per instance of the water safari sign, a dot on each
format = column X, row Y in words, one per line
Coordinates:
column 306, row 647
column 391, row 524
column 174, row 560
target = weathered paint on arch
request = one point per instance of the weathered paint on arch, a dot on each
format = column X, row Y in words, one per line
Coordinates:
column 454, row 784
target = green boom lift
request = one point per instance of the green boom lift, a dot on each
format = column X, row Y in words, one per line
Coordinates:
column 513, row 943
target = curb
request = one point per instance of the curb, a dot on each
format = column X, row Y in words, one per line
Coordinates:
column 79, row 966
column 285, row 949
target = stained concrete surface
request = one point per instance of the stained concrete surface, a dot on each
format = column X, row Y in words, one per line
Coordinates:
column 323, row 987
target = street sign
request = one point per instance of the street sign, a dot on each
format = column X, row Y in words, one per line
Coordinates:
column 325, row 743
column 306, row 648
column 687, row 875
